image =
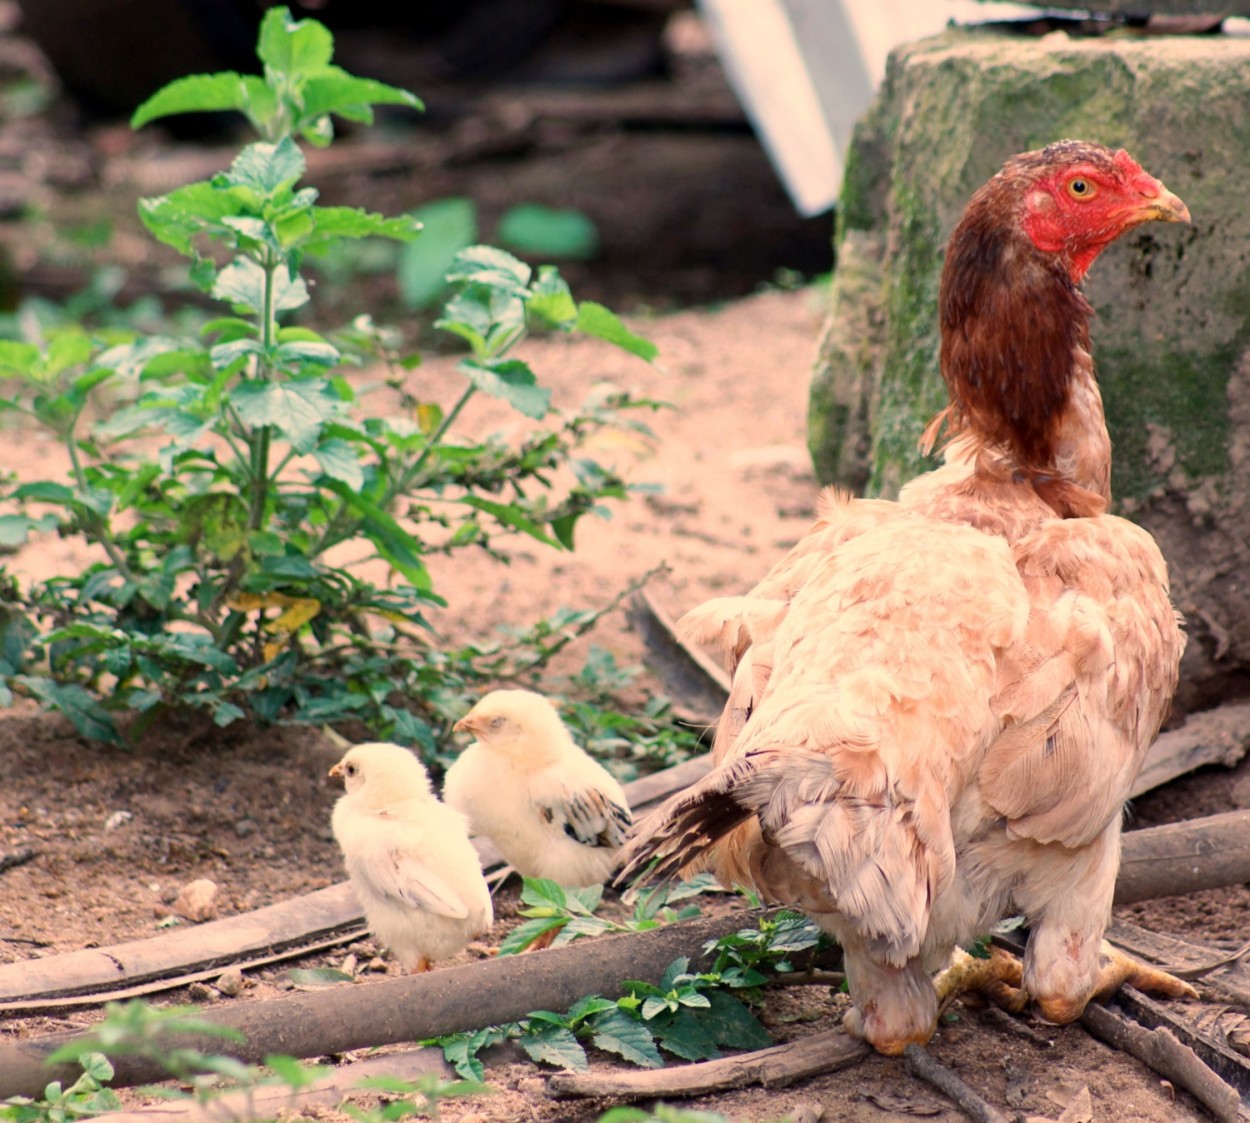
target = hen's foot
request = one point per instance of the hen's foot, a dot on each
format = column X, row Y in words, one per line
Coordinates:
column 1116, row 968
column 996, row 979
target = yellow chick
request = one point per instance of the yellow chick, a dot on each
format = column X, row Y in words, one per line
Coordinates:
column 551, row 810
column 409, row 857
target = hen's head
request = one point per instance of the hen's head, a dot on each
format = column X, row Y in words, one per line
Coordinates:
column 1015, row 326
column 1077, row 198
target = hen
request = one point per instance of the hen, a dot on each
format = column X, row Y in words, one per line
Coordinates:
column 550, row 809
column 939, row 704
column 408, row 856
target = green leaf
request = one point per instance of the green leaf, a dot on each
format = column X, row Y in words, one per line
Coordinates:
column 448, row 226
column 242, row 282
column 293, row 47
column 731, row 1023
column 317, row 978
column 512, row 516
column 333, row 223
column 616, row 1032
column 200, row 93
column 554, row 1045
column 594, row 319
column 540, row 231
column 339, row 460
column 394, row 543
column 335, row 91
column 685, row 1036
column 542, row 892
column 550, row 301
column 524, row 934
column 20, row 358
column 293, row 1073
column 297, row 409
column 77, row 704
column 486, row 265
column 512, row 381
column 268, row 167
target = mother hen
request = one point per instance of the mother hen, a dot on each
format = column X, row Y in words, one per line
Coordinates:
column 939, row 704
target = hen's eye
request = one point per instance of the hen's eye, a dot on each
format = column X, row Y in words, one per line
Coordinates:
column 1080, row 189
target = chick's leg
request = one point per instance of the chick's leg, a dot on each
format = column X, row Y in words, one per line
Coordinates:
column 894, row 1006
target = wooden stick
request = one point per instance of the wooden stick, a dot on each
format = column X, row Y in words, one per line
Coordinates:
column 774, row 1067
column 268, row 1100
column 411, row 1008
column 973, row 1105
column 1184, row 857
column 1161, row 1051
column 266, row 932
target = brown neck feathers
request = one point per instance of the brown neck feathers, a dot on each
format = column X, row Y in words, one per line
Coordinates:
column 1012, row 322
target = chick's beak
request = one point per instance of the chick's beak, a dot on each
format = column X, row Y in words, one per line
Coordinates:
column 467, row 724
column 337, row 771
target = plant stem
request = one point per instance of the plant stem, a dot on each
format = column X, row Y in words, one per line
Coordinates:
column 99, row 526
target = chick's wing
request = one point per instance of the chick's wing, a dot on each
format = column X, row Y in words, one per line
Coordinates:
column 584, row 811
column 396, row 869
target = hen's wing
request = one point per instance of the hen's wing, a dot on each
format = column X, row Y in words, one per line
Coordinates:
column 1088, row 687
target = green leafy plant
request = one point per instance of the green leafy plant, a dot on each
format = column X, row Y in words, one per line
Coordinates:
column 87, row 1096
column 570, row 913
column 691, row 1015
column 221, row 478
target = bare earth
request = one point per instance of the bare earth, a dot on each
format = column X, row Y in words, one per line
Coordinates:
column 116, row 833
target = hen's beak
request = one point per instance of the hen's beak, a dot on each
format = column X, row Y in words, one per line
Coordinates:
column 1164, row 207
column 337, row 771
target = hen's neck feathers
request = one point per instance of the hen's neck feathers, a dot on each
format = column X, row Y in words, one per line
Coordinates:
column 1015, row 355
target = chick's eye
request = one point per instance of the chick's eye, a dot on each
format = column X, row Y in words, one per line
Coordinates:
column 498, row 722
column 350, row 770
column 1080, row 188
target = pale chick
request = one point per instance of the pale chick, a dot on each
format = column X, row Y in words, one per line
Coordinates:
column 409, row 857
column 552, row 811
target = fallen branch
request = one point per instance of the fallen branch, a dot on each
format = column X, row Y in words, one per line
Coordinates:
column 411, row 1008
column 774, row 1067
column 1160, row 1050
column 268, row 1100
column 18, row 857
column 1184, row 857
column 281, row 931
column 972, row 1104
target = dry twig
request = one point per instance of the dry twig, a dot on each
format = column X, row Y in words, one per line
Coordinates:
column 972, row 1104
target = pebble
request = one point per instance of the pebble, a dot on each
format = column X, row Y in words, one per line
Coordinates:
column 231, row 983
column 377, row 963
column 349, row 965
column 201, row 993
column 532, row 1086
column 197, row 900
column 244, row 827
column 117, row 819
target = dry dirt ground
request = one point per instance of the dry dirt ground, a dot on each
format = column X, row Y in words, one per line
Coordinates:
column 115, row 834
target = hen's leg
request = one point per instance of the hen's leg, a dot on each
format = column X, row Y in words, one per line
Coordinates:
column 1067, row 963
column 894, row 1006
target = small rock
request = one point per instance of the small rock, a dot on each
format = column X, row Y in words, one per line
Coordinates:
column 349, row 965
column 197, row 901
column 117, row 819
column 532, row 1086
column 169, row 894
column 244, row 827
column 201, row 993
column 377, row 963
column 806, row 1112
column 231, row 983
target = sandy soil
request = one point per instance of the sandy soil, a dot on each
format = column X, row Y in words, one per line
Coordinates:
column 116, row 834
